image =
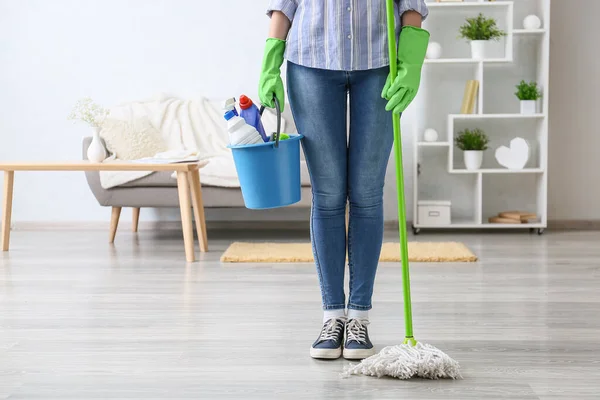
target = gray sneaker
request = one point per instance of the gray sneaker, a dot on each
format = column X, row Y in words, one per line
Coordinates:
column 329, row 344
column 358, row 345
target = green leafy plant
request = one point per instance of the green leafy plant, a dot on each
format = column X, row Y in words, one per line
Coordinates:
column 472, row 140
column 481, row 28
column 528, row 91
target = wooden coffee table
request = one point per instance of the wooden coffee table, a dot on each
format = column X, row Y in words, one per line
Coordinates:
column 188, row 186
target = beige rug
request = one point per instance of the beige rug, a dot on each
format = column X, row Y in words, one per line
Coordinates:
column 302, row 253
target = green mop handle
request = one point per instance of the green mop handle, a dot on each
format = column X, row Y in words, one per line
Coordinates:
column 391, row 23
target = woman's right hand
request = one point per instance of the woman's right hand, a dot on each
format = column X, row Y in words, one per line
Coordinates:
column 271, row 84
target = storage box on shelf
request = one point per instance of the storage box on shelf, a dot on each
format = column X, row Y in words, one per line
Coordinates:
column 434, row 213
column 523, row 54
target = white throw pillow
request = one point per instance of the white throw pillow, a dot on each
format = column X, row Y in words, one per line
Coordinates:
column 132, row 140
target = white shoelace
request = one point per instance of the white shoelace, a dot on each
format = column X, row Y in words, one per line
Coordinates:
column 332, row 329
column 356, row 330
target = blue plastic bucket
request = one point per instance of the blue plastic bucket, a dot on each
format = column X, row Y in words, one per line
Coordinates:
column 269, row 173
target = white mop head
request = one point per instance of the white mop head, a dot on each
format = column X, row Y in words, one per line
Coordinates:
column 406, row 361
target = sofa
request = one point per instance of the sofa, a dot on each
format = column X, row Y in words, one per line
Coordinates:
column 160, row 190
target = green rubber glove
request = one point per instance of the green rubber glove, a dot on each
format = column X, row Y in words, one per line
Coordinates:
column 270, row 78
column 412, row 48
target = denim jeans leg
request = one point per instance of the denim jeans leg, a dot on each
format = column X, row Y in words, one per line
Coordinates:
column 370, row 145
column 318, row 99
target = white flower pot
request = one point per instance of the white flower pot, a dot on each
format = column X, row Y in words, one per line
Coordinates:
column 528, row 107
column 478, row 49
column 473, row 159
column 96, row 153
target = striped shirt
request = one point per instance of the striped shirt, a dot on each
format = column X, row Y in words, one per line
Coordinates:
column 346, row 35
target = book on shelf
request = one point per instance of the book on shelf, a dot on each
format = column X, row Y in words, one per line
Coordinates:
column 470, row 97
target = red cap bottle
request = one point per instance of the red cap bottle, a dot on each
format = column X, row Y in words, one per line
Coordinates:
column 245, row 102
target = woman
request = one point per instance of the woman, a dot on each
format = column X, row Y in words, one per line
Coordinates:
column 337, row 52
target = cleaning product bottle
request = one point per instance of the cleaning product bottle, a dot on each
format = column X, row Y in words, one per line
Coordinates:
column 229, row 105
column 240, row 133
column 252, row 115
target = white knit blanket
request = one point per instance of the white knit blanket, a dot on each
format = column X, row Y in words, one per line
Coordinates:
column 187, row 126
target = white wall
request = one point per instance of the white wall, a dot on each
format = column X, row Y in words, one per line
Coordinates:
column 574, row 107
column 54, row 52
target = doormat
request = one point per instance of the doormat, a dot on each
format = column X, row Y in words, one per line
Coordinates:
column 302, row 252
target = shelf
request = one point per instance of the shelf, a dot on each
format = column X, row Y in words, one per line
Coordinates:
column 451, row 226
column 486, row 225
column 467, row 61
column 529, row 31
column 433, row 144
column 499, row 171
column 497, row 116
column 466, row 4
column 513, row 226
column 451, row 61
column 456, row 223
column 437, row 173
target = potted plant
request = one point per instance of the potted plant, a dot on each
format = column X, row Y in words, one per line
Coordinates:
column 88, row 112
column 473, row 143
column 528, row 93
column 480, row 30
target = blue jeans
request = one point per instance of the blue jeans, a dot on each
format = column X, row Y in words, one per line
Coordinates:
column 344, row 170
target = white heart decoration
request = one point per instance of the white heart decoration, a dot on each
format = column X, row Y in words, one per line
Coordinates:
column 516, row 156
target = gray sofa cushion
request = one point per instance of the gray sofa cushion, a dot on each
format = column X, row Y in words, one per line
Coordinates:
column 157, row 179
column 223, row 197
column 165, row 179
column 213, row 197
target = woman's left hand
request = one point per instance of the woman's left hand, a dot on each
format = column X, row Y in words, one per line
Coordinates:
column 411, row 55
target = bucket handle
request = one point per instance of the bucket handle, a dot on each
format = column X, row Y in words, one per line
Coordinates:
column 278, row 109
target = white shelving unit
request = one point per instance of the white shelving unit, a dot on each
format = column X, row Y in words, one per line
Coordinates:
column 439, row 172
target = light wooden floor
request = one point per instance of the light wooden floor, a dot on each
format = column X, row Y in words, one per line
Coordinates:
column 80, row 319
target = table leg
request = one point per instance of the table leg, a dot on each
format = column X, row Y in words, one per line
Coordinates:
column 114, row 223
column 185, row 208
column 9, row 178
column 136, row 219
column 194, row 178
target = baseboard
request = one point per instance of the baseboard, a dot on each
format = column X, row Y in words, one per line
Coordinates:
column 574, row 225
column 160, row 225
column 260, row 225
column 393, row 225
column 60, row 226
column 556, row 225
column 564, row 225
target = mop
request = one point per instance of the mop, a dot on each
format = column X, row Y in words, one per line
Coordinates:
column 411, row 359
